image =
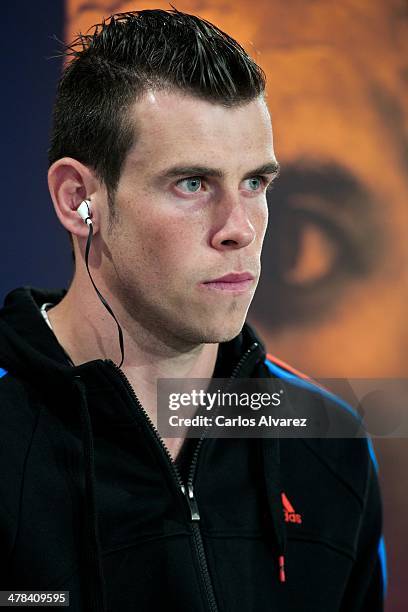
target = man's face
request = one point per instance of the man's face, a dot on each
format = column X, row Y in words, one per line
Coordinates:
column 190, row 208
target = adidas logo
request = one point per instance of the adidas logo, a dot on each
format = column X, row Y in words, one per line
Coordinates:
column 291, row 516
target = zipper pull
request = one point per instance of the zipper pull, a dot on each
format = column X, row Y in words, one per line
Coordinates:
column 192, row 502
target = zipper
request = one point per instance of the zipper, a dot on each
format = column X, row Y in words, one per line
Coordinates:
column 187, row 491
column 233, row 376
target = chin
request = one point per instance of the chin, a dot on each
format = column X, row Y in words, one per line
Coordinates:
column 223, row 333
column 211, row 328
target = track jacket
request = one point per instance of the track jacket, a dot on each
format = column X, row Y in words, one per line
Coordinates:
column 91, row 502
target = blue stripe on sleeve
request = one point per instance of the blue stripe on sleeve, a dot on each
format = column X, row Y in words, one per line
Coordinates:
column 2, row 372
column 383, row 560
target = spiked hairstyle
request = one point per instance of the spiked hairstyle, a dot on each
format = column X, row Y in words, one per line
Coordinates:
column 117, row 61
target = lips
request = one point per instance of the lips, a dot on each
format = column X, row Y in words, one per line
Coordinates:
column 233, row 277
column 234, row 282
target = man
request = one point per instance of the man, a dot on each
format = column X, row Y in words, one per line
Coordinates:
column 162, row 141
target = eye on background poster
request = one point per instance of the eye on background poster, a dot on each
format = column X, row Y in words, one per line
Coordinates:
column 334, row 287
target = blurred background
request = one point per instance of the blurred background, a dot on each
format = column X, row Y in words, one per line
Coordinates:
column 332, row 299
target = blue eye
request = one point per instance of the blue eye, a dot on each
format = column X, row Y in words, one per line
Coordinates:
column 255, row 183
column 193, row 184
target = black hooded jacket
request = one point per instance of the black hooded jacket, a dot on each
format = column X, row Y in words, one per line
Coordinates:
column 91, row 502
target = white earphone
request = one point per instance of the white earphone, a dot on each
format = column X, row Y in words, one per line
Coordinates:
column 84, row 211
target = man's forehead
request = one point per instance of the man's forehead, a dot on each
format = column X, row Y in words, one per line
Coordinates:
column 175, row 129
column 162, row 113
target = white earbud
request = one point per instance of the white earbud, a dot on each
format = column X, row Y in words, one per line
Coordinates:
column 84, row 211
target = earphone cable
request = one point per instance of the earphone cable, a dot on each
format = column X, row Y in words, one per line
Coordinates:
column 104, row 302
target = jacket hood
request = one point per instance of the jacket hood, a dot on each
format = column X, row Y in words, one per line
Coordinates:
column 28, row 347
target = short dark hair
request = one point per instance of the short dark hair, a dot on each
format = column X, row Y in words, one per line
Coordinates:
column 117, row 61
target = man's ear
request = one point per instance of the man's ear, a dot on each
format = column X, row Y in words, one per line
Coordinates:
column 71, row 182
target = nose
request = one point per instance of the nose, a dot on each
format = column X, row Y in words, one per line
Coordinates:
column 235, row 231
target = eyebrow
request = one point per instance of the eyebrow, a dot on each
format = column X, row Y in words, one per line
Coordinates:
column 272, row 167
